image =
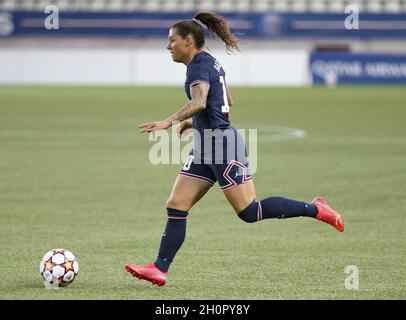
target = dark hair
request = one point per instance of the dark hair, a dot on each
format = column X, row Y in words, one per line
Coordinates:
column 216, row 25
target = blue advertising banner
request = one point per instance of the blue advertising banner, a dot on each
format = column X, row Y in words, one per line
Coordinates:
column 133, row 24
column 349, row 68
column 333, row 25
column 250, row 25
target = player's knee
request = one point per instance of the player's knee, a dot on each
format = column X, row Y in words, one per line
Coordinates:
column 172, row 202
column 177, row 203
column 250, row 213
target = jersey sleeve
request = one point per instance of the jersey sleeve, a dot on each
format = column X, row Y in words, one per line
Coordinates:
column 199, row 73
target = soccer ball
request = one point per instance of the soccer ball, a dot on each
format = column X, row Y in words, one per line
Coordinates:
column 58, row 268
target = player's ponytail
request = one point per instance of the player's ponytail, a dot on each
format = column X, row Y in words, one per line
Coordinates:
column 218, row 26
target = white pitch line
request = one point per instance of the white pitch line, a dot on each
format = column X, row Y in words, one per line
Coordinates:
column 268, row 133
column 273, row 133
column 66, row 135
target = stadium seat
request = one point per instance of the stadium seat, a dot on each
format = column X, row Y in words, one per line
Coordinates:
column 131, row 5
column 281, row 6
column 336, row 6
column 152, row 5
column 169, row 6
column 300, row 6
column 242, row 6
column 260, row 6
column 27, row 5
column 209, row 5
column 318, row 6
column 62, row 4
column 115, row 6
column 393, row 6
column 186, row 6
column 225, row 6
column 8, row 5
column 374, row 6
column 96, row 5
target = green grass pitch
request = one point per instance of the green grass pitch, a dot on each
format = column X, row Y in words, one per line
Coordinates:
column 75, row 173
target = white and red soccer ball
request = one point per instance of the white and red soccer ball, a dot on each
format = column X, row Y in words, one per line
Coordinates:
column 58, row 268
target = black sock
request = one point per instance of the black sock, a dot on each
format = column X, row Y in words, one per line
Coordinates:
column 277, row 207
column 172, row 238
column 283, row 208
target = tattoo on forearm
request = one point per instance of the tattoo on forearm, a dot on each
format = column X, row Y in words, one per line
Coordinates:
column 189, row 110
column 197, row 104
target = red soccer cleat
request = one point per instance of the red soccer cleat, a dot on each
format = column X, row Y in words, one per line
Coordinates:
column 149, row 272
column 327, row 214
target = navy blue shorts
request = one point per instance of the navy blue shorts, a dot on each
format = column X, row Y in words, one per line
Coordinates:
column 228, row 175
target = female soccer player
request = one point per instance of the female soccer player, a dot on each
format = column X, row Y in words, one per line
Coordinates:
column 209, row 103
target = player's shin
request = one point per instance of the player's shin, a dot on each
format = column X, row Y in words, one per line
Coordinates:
column 172, row 238
column 277, row 207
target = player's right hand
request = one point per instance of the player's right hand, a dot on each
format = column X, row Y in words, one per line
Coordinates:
column 153, row 126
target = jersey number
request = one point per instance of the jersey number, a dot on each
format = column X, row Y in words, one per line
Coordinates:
column 188, row 162
column 225, row 108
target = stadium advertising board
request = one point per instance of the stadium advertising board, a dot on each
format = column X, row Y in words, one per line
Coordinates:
column 349, row 68
column 155, row 24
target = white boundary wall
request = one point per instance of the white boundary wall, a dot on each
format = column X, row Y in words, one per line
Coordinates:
column 145, row 66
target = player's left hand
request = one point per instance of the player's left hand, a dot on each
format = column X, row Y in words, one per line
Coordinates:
column 153, row 126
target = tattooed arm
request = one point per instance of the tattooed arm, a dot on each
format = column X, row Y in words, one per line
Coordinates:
column 197, row 104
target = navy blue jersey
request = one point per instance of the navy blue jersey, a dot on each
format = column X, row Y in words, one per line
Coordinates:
column 204, row 68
